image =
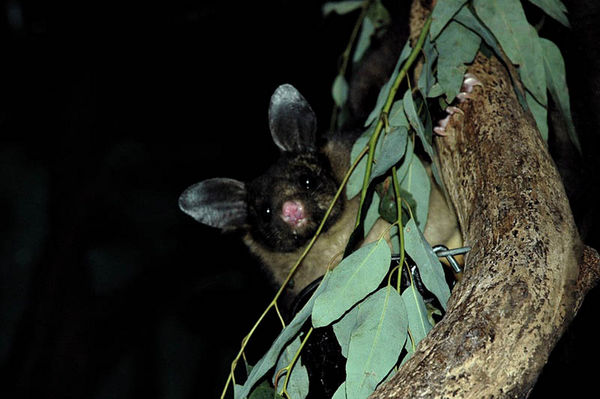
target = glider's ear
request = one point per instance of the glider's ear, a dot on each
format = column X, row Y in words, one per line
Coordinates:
column 218, row 202
column 292, row 121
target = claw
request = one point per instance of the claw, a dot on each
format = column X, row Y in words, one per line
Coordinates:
column 469, row 82
column 451, row 110
column 440, row 129
column 462, row 97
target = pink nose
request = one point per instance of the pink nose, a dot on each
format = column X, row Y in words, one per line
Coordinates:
column 292, row 212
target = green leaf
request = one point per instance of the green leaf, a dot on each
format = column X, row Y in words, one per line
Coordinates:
column 340, row 393
column 289, row 332
column 396, row 117
column 408, row 156
column 557, row 85
column 355, row 181
column 390, row 149
column 343, row 329
column 263, row 391
column 430, row 268
column 427, row 78
column 383, row 93
column 442, row 13
column 535, row 69
column 415, row 122
column 376, row 342
column 540, row 114
column 435, row 91
column 339, row 91
column 456, row 46
column 554, row 8
column 341, row 7
column 416, row 182
column 506, row 20
column 378, row 14
column 353, row 279
column 377, row 18
column 387, row 207
column 410, row 350
column 372, row 214
column 416, row 310
column 297, row 386
column 466, row 18
column 364, row 39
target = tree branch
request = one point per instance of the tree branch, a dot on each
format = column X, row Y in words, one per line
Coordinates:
column 527, row 272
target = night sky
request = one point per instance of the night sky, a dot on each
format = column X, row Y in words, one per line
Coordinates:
column 108, row 111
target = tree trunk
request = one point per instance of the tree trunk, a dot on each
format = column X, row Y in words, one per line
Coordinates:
column 527, row 272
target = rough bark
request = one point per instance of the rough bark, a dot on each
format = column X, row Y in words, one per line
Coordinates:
column 527, row 272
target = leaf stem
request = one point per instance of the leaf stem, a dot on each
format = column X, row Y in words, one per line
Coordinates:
column 386, row 109
column 399, row 216
column 279, row 315
column 293, row 362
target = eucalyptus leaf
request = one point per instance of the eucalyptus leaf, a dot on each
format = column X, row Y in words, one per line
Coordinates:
column 355, row 181
column 557, row 85
column 466, row 18
column 340, row 393
column 378, row 14
column 396, row 116
column 339, row 91
column 297, row 386
column 416, row 310
column 456, row 46
column 430, row 268
column 506, row 20
column 387, row 205
column 410, row 348
column 435, row 91
column 427, row 78
column 372, row 214
column 416, row 182
column 536, row 70
column 262, row 367
column 390, row 150
column 264, row 391
column 377, row 17
column 376, row 342
column 237, row 389
column 421, row 102
column 385, row 90
column 353, row 279
column 415, row 122
column 395, row 239
column 540, row 114
column 341, row 7
column 364, row 39
column 409, row 153
column 442, row 13
column 554, row 8
column 343, row 329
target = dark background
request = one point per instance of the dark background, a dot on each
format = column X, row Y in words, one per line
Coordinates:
column 108, row 111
